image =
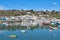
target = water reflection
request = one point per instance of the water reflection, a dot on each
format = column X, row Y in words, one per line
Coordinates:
column 23, row 32
column 17, row 26
column 30, row 34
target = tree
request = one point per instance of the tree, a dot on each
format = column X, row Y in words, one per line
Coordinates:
column 13, row 10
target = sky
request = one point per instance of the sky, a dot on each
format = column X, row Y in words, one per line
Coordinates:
column 30, row 4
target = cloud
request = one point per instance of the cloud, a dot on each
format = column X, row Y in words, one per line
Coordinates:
column 54, row 3
column 3, row 7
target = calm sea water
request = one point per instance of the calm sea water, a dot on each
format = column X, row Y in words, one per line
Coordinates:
column 35, row 34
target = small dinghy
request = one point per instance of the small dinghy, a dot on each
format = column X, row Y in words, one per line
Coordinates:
column 12, row 36
column 23, row 31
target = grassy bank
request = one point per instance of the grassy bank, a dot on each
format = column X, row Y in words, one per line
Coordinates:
column 57, row 16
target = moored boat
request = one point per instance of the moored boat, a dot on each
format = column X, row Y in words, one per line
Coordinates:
column 23, row 31
column 12, row 36
column 58, row 23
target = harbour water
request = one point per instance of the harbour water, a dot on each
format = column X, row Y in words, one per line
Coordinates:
column 32, row 34
column 15, row 31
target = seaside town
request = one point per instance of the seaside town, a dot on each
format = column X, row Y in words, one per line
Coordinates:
column 29, row 18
